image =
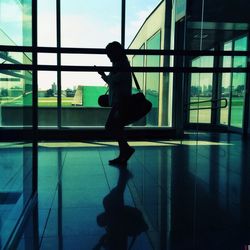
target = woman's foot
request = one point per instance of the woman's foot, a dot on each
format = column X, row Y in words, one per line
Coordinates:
column 115, row 161
column 123, row 158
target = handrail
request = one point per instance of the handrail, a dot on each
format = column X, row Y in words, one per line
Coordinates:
column 210, row 100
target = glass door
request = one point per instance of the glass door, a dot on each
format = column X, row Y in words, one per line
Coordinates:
column 233, row 86
column 201, row 92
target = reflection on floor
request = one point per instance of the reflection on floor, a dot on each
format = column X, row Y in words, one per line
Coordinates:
column 194, row 194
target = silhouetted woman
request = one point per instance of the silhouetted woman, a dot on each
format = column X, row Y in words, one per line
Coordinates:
column 120, row 89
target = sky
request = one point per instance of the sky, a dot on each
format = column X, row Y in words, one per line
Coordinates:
column 88, row 23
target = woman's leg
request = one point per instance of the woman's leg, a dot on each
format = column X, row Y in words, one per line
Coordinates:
column 115, row 126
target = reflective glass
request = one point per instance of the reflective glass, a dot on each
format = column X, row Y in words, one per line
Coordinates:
column 85, row 60
column 15, row 22
column 225, row 91
column 153, row 79
column 47, row 98
column 15, row 98
column 47, row 58
column 80, row 92
column 238, row 84
column 7, row 57
column 46, row 23
column 201, row 91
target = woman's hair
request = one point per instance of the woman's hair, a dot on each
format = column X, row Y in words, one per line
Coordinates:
column 115, row 51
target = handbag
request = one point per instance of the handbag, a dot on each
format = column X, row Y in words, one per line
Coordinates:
column 103, row 100
column 138, row 105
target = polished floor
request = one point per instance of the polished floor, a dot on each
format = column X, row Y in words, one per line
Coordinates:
column 190, row 194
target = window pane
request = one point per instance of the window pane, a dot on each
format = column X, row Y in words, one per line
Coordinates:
column 47, row 58
column 201, row 91
column 46, row 23
column 7, row 57
column 153, row 79
column 15, row 98
column 85, row 60
column 226, row 84
column 47, row 98
column 15, row 22
column 90, row 23
column 238, row 84
column 80, row 92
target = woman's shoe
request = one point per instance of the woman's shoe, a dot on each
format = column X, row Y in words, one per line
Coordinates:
column 115, row 161
column 123, row 158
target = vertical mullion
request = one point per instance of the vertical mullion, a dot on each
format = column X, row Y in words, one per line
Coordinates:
column 123, row 22
column 34, row 99
column 247, row 94
column 215, row 90
column 59, row 86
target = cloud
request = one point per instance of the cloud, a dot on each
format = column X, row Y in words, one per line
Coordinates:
column 135, row 24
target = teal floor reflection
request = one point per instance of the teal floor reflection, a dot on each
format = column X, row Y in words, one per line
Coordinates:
column 15, row 185
column 192, row 193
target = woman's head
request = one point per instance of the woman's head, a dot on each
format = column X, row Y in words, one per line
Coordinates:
column 115, row 51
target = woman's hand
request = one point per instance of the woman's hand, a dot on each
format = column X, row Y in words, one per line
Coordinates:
column 99, row 72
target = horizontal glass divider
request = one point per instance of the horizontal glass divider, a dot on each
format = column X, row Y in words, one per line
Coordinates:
column 128, row 51
column 134, row 69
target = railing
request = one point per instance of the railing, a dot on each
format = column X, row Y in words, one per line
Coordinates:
column 204, row 101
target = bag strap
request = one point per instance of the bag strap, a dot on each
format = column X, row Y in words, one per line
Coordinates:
column 132, row 242
column 136, row 82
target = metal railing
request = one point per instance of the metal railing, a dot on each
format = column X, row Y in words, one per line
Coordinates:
column 212, row 101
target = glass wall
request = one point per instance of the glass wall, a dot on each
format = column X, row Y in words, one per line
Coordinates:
column 201, row 92
column 15, row 22
column 157, row 86
column 153, row 79
column 15, row 85
column 238, row 85
column 225, row 89
column 47, row 98
column 46, row 23
column 83, row 25
column 233, row 84
column 90, row 24
column 15, row 98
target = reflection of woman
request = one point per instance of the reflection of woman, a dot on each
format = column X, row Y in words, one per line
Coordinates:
column 120, row 221
column 120, row 88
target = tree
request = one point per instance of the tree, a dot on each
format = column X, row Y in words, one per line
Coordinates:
column 49, row 93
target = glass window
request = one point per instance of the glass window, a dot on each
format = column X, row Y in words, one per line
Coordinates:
column 138, row 61
column 46, row 23
column 238, row 84
column 80, row 92
column 226, row 84
column 201, row 91
column 15, row 22
column 47, row 98
column 15, row 98
column 89, row 24
column 153, row 79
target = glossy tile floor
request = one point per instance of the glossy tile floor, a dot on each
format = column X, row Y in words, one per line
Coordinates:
column 193, row 194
